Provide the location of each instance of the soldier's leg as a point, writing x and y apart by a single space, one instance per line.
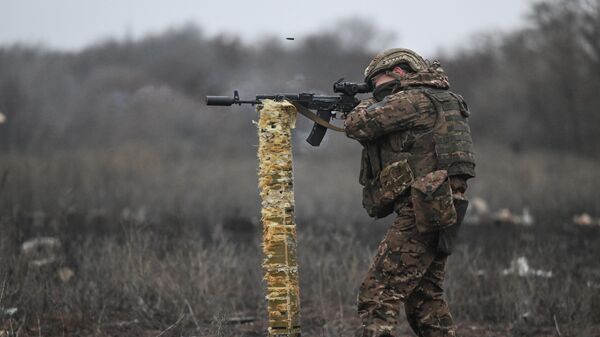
403 258
426 308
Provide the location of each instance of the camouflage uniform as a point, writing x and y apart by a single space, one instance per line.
416 159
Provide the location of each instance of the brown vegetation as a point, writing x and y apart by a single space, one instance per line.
145 260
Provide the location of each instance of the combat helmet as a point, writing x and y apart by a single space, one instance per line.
392 57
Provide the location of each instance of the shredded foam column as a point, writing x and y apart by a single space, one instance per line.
277 119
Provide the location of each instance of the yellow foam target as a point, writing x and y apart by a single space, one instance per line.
276 182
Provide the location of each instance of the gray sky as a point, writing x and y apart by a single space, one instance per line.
421 25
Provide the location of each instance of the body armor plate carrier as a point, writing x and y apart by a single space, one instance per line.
452 135
446 146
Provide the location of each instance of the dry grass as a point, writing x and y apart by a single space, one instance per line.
161 241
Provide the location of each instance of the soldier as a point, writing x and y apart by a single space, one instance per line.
416 159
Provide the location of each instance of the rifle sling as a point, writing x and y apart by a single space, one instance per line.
315 118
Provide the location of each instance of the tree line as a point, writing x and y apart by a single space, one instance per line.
536 86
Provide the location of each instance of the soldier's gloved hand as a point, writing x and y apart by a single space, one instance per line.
459 187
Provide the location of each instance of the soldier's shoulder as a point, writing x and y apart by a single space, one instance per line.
416 98
407 93
443 94
452 100
412 95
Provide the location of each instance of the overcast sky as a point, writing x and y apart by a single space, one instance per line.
423 26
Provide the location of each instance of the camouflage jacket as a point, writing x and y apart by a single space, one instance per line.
421 123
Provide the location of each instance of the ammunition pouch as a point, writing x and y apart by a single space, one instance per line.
431 197
379 194
448 236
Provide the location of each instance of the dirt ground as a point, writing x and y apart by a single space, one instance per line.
186 327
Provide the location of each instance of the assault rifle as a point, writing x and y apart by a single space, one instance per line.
326 106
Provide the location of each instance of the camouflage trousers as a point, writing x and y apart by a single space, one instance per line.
406 270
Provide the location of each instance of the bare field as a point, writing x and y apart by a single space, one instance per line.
156 242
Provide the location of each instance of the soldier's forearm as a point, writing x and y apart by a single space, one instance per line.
357 125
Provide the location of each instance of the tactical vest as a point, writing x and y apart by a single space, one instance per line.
452 135
445 145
